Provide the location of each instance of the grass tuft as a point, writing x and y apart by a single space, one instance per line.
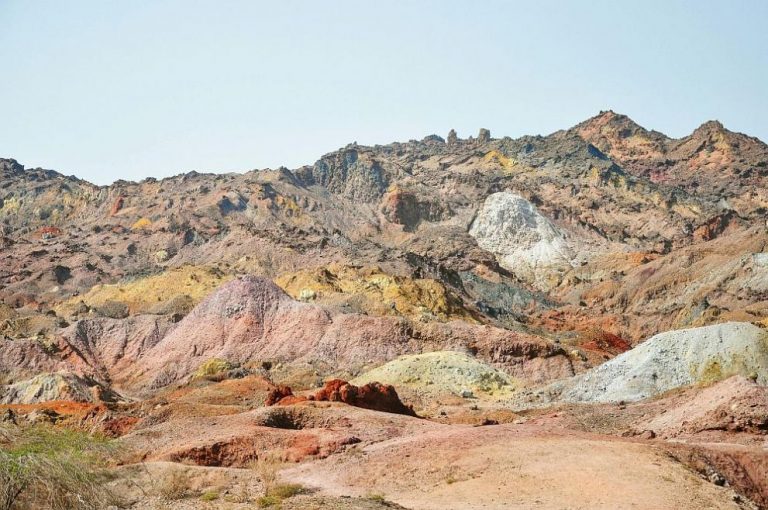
46 467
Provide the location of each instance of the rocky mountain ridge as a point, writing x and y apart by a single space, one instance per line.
611 189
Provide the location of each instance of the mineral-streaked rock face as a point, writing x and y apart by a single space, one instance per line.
497 245
523 240
253 319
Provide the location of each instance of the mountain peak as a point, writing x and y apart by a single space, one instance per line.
611 117
10 167
610 123
711 127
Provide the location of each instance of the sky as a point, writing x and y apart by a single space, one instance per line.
115 89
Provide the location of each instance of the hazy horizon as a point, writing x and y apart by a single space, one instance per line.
109 91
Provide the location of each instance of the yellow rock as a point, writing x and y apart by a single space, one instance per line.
506 163
145 294
142 224
374 291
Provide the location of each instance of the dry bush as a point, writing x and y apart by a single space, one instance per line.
175 486
113 310
58 469
267 468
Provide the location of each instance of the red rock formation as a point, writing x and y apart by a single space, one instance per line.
48 232
713 227
277 394
117 205
603 342
374 396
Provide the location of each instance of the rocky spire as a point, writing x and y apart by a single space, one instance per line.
484 136
452 138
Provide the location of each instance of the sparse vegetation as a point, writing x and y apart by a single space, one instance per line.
45 467
268 501
376 496
210 496
267 467
142 224
279 493
113 310
286 490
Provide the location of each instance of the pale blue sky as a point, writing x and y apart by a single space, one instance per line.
130 89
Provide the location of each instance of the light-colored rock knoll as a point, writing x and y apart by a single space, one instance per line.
522 239
46 387
674 359
442 372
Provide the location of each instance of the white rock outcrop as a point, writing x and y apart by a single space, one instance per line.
522 239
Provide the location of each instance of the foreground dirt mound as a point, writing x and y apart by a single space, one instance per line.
372 395
674 359
507 466
735 405
292 433
165 485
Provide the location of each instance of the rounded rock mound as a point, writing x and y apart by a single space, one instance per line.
442 373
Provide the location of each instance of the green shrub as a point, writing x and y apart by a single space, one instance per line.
287 490
278 493
213 367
